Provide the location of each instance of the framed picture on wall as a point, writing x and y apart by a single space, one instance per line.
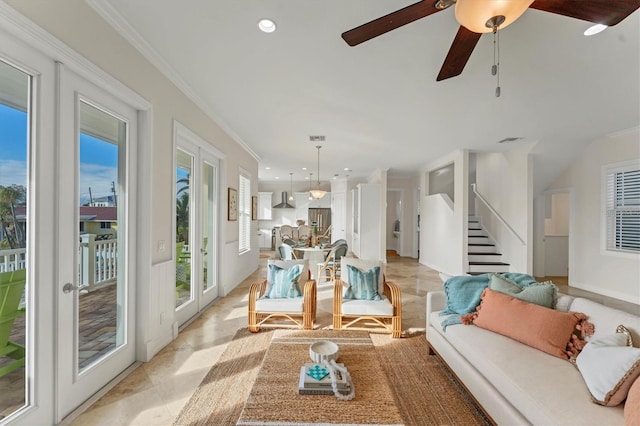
232 210
254 208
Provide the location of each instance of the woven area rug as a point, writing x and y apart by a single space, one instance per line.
274 398
424 390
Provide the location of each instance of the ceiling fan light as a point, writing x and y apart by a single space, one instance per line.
474 14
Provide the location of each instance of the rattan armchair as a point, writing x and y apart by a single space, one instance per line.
299 313
384 315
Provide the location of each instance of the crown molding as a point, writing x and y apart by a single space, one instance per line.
117 21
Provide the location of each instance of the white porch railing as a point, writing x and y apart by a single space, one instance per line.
13 260
97 261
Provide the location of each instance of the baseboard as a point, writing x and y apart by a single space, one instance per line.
605 292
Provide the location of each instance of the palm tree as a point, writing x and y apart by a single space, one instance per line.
182 218
10 197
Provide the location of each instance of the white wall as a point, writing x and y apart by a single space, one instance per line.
505 180
443 226
591 267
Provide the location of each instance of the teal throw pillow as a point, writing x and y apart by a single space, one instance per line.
541 293
283 283
363 285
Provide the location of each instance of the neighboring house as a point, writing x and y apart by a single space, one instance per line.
98 220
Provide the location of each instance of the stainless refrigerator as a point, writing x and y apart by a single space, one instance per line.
320 217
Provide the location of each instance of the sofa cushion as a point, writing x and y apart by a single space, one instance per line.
609 367
542 328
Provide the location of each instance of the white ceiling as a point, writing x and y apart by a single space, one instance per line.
378 103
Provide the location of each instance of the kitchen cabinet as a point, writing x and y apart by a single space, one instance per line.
264 239
264 206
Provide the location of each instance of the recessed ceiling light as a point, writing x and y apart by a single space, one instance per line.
304 168
268 168
266 25
277 177
595 29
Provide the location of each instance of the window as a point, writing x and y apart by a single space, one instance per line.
244 213
623 207
105 225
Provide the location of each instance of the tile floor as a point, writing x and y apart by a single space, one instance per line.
156 392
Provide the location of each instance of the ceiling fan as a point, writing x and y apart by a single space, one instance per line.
480 16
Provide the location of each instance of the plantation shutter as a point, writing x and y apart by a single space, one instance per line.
623 210
244 214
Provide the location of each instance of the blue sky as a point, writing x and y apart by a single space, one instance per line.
98 159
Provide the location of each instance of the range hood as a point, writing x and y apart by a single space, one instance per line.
284 204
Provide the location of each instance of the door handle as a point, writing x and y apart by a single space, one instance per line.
68 288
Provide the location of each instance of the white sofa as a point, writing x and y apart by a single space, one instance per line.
517 384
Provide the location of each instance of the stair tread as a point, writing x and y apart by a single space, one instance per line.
481 244
488 263
480 253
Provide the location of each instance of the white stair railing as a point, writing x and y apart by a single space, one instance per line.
496 214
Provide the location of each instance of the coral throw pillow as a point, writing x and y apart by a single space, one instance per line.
632 406
536 326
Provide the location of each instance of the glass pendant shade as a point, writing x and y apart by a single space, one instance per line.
318 193
474 14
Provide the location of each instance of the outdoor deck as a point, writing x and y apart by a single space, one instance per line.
97 336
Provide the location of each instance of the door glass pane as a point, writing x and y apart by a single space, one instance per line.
208 225
101 300
14 134
183 227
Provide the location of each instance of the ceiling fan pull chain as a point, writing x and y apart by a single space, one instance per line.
496 35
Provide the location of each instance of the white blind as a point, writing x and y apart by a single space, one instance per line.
623 210
244 214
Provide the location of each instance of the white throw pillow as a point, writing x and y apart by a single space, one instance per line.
609 368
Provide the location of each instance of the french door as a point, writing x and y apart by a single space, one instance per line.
95 239
197 223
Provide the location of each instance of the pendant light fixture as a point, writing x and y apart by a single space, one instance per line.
291 186
310 196
318 193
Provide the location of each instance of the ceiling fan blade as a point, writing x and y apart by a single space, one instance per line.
389 22
605 12
459 53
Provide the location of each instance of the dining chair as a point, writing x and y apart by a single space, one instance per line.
331 266
286 231
286 252
285 299
364 300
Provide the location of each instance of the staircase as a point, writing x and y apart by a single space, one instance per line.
483 256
